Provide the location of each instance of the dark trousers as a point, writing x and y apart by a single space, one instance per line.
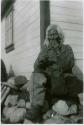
44 87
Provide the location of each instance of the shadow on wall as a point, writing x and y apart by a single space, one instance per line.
78 72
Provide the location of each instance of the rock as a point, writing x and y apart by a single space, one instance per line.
20 80
11 81
58 119
54 121
73 109
49 114
28 105
81 98
62 108
76 118
51 121
26 121
14 114
5 110
11 100
18 115
25 86
8 111
21 103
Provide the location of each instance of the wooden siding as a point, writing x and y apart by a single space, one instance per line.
68 15
26 37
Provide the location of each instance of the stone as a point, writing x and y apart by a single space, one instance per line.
11 81
11 100
28 105
21 103
8 111
76 118
58 119
81 98
73 109
5 109
18 115
62 108
49 114
20 80
26 121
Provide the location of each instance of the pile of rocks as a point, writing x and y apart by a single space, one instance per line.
17 102
61 113
64 111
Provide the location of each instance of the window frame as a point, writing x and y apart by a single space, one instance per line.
9 47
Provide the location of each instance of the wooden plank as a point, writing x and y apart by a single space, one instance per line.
78 55
74 34
26 13
78 68
3 90
66 19
68 4
27 20
29 50
21 5
77 48
27 56
20 36
65 11
24 38
77 42
5 95
2 86
34 39
68 26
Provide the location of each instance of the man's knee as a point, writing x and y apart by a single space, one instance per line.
39 78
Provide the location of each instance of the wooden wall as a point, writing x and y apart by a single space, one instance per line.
68 15
26 37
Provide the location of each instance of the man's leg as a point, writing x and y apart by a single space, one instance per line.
37 91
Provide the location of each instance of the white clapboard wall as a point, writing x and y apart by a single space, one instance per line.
26 37
68 15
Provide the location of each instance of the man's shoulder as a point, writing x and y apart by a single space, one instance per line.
67 46
44 48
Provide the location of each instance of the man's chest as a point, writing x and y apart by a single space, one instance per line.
57 56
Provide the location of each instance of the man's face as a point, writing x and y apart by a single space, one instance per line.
52 37
52 34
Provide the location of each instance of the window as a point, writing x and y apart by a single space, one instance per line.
9 46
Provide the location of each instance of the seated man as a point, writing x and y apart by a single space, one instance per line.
48 79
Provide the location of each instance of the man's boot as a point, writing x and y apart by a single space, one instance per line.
37 97
34 114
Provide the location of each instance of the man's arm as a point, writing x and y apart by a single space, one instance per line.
70 61
41 62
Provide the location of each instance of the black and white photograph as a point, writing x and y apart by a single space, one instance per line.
41 61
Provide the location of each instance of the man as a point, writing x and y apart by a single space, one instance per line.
48 79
